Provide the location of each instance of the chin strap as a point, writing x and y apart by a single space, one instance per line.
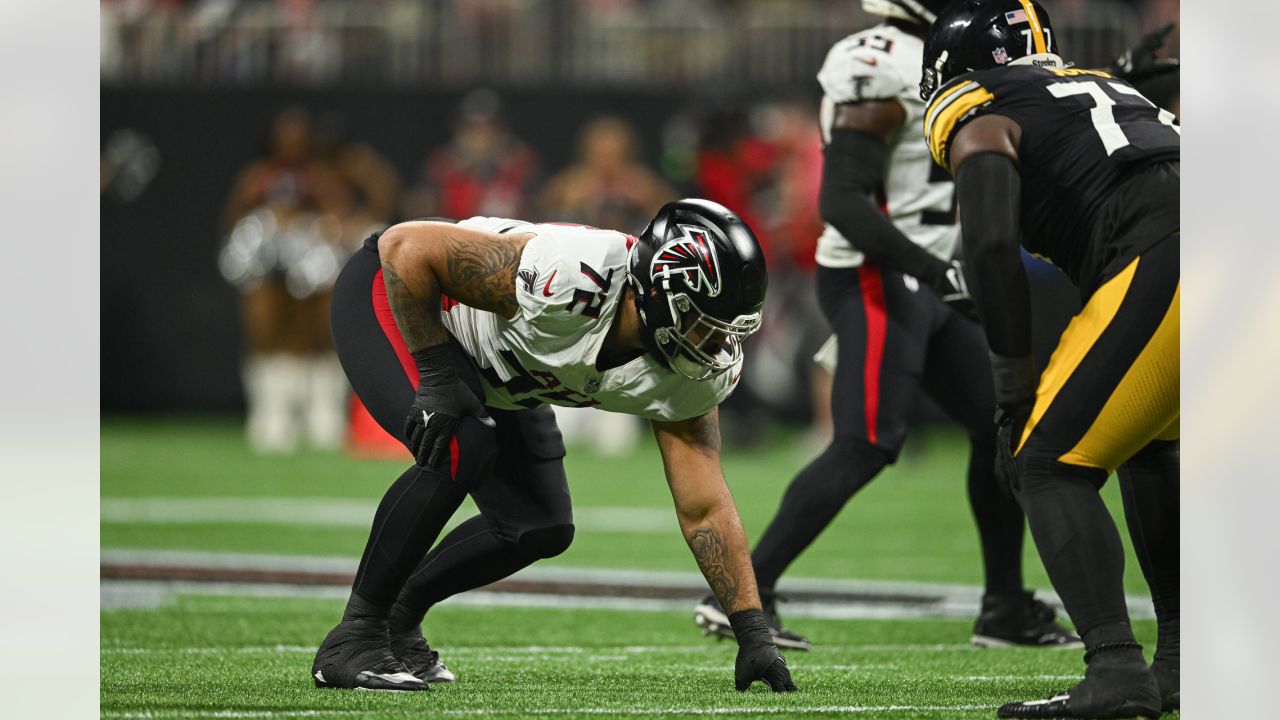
646 335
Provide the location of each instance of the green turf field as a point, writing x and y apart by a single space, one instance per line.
248 658
911 524
192 485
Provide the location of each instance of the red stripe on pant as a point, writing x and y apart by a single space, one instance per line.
387 321
873 305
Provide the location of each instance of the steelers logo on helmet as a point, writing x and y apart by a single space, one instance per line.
699 279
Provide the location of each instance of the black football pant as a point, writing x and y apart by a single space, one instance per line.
514 472
1149 488
894 339
1108 400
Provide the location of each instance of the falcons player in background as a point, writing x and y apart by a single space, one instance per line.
471 329
893 293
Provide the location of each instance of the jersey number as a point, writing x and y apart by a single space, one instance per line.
1031 40
1104 119
875 42
589 302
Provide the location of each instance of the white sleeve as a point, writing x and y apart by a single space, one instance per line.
492 224
545 283
558 300
855 71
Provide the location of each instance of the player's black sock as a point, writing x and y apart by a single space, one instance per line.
470 556
473 555
409 518
1077 540
1001 524
1149 487
812 501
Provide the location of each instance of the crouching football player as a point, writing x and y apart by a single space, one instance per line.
457 337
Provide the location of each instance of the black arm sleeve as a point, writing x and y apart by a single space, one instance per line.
990 193
852 171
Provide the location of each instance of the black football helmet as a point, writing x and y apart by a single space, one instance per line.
980 34
699 280
920 12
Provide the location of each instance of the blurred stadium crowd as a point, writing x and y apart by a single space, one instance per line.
318 186
654 43
311 196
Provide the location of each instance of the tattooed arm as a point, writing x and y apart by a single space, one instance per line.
422 260
708 517
691 457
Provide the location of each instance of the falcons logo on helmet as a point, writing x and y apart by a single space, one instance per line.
694 256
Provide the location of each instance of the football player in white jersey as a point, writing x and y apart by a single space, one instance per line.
889 285
472 329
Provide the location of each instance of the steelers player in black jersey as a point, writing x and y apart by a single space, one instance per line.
1081 169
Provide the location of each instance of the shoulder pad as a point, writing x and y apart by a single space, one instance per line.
493 224
860 67
949 108
566 272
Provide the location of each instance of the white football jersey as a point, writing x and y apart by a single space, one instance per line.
883 63
569 285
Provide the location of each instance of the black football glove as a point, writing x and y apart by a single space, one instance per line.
954 291
1139 62
1009 426
1015 383
443 399
758 657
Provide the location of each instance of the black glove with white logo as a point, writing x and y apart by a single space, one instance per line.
1015 383
758 657
954 291
443 399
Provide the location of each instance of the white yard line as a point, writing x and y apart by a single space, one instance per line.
938 594
543 712
1018 678
867 599
543 651
145 594
524 654
158 714
686 711
339 512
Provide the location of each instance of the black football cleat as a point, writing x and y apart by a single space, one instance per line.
1019 619
412 650
356 654
1064 705
714 621
1116 685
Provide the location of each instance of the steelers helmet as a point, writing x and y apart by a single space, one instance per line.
980 34
699 278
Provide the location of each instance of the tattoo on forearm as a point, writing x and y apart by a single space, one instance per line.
419 323
484 274
713 557
704 432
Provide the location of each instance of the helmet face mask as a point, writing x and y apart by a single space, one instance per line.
701 346
699 279
982 34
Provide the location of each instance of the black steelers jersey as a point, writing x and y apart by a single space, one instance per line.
1083 133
